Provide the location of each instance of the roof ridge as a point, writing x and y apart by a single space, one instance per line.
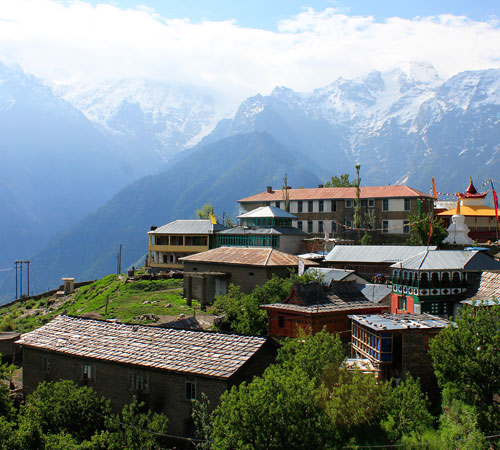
268 256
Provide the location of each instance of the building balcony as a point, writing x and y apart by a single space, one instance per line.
179 248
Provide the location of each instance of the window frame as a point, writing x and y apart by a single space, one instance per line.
310 206
385 204
385 226
190 390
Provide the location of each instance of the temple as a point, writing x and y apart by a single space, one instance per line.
479 218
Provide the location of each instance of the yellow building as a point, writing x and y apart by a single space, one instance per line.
480 219
178 239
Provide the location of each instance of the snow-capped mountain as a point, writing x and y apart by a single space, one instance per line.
402 126
169 118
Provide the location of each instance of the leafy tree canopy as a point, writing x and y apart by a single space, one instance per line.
205 211
419 231
340 181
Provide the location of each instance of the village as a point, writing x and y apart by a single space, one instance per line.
351 273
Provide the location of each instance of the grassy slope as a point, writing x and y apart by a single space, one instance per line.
126 302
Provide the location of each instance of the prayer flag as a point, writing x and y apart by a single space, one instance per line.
495 199
213 219
434 189
430 233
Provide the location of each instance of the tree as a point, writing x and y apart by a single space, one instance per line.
137 428
286 196
340 181
203 421
276 411
205 211
420 229
466 359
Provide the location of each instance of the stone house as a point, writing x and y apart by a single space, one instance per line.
165 368
209 273
396 344
312 307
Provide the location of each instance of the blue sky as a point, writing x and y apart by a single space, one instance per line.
235 49
266 14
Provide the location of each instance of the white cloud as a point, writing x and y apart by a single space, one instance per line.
76 42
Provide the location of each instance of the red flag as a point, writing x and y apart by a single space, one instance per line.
430 233
495 199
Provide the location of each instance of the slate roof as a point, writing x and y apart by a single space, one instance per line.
267 211
189 227
489 288
247 256
396 191
342 296
400 321
449 260
374 253
271 230
194 352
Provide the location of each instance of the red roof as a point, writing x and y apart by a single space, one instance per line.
471 192
338 193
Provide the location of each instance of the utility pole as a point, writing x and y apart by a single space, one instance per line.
28 262
21 279
120 260
16 263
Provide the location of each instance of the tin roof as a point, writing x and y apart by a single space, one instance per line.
267 211
376 292
329 275
197 226
338 193
201 353
449 260
400 321
374 253
270 230
246 256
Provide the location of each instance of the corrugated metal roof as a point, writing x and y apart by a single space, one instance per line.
449 260
374 253
400 321
376 292
189 227
273 230
338 193
329 275
210 354
246 256
267 211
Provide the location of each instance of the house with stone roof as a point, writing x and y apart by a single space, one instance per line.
165 368
209 273
312 307
331 210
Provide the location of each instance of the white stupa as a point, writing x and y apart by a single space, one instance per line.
458 231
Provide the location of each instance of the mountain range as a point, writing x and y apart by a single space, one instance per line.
71 152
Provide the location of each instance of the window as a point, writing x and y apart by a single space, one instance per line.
348 203
310 206
347 223
371 203
320 227
250 274
176 240
321 206
299 206
385 226
277 204
385 204
139 381
407 204
267 204
190 384
334 227
281 321
46 364
364 203
406 227
309 226
402 303
334 205
87 372
299 224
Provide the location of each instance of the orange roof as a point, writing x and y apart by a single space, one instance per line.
338 193
479 210
245 256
